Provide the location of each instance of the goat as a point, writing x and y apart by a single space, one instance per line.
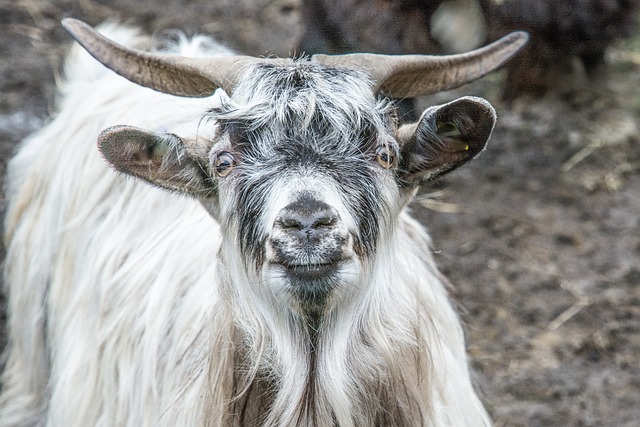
402 26
563 33
280 281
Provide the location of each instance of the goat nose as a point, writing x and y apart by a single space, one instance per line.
311 219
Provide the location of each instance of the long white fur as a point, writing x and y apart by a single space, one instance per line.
117 298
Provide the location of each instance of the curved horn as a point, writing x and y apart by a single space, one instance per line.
193 77
407 76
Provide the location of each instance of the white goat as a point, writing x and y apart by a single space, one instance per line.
312 298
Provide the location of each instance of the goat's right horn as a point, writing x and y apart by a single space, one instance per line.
193 77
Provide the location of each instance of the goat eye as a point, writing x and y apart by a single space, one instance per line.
385 157
224 163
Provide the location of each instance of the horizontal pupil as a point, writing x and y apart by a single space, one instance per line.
224 163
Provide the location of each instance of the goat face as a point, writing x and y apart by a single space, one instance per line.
309 194
306 171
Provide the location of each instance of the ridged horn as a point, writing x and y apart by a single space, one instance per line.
407 76
192 77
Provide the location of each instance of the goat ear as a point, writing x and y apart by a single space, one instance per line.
161 159
444 138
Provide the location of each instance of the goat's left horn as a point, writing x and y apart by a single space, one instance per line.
193 77
406 76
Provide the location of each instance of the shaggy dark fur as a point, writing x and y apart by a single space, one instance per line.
561 33
377 26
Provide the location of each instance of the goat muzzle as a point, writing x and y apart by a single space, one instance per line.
308 240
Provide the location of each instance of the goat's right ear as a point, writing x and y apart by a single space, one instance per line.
445 137
161 159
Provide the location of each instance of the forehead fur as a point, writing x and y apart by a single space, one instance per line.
303 98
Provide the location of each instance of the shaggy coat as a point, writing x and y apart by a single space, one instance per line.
563 34
130 305
569 38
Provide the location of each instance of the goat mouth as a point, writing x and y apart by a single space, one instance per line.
316 271
321 268
311 284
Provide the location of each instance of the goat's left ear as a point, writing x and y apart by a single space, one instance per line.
160 159
445 137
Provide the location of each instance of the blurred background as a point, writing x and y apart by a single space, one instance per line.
540 236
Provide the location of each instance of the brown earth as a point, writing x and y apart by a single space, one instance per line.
540 236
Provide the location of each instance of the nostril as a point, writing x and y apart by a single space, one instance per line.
290 224
325 222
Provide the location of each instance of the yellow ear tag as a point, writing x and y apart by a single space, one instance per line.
458 145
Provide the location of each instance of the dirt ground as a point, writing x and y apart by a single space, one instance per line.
540 236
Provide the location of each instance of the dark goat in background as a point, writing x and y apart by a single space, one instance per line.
404 26
563 33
